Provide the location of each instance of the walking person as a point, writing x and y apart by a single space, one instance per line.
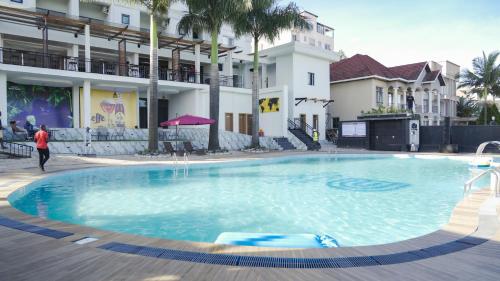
41 139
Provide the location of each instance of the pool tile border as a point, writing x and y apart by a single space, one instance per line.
262 261
283 262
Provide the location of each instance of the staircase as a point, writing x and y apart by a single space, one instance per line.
285 143
304 133
15 150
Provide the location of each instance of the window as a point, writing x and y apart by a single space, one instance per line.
311 79
321 29
17 1
294 37
229 122
125 19
221 67
390 99
380 96
328 47
245 123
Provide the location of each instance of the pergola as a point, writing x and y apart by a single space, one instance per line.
46 19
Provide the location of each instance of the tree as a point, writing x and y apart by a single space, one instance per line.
466 107
264 19
492 112
158 10
483 80
209 16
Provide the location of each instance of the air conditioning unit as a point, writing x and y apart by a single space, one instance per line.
105 10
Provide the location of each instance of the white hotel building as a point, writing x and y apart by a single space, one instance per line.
99 50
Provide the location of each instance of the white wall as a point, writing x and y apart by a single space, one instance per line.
116 11
53 5
275 123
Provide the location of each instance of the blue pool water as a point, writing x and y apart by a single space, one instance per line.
358 200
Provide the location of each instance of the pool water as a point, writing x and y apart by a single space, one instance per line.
358 200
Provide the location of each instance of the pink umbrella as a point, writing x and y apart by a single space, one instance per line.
187 120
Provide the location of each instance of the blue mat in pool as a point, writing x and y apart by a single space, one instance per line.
277 240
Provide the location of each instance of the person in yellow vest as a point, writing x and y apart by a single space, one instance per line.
315 135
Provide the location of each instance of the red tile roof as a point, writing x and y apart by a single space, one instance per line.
359 66
409 71
431 76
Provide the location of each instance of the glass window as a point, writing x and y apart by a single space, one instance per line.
125 19
311 78
17 1
380 96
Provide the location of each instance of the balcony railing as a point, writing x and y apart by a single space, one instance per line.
60 62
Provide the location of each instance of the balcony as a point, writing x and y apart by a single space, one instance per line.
59 62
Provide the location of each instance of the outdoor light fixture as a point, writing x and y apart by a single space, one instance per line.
76 35
115 96
138 45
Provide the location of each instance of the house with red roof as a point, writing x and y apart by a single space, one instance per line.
361 84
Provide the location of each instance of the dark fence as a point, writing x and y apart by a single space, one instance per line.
431 138
468 138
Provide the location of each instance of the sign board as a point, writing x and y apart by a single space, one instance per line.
354 129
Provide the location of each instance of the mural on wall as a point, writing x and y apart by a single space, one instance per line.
111 109
51 106
269 105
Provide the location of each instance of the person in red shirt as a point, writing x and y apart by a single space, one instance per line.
41 139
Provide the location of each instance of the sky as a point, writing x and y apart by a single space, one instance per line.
401 32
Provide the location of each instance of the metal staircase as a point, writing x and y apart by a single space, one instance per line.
16 150
304 133
285 143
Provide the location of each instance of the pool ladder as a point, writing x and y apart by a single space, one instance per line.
185 160
493 171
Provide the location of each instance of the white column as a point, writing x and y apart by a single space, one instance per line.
197 67
86 104
285 114
439 108
76 106
264 75
74 8
422 92
135 58
3 98
404 98
430 101
87 48
229 67
395 98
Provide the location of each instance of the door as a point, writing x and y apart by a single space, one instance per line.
303 121
162 110
143 113
229 122
387 135
315 122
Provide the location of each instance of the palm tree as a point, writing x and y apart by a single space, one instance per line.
484 78
209 16
158 10
264 19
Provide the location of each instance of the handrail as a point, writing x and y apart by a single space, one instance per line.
493 171
482 146
18 149
308 129
98 66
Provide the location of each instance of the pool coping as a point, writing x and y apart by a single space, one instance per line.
463 222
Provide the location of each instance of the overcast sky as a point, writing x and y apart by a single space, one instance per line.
400 32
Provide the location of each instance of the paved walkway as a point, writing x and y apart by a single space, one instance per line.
25 255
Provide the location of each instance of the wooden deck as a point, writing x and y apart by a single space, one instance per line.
27 256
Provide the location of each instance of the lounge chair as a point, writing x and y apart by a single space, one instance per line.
169 148
188 146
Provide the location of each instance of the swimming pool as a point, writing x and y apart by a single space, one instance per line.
359 200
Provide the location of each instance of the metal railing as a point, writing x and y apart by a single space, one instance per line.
493 171
68 63
298 123
17 149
